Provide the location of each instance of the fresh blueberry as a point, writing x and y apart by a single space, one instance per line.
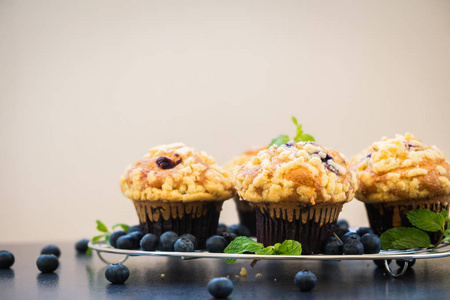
115 236
380 262
51 249
137 236
350 235
134 228
239 230
221 228
353 246
126 242
216 244
363 230
183 245
220 288
342 224
192 238
371 243
167 240
149 242
333 246
6 259
229 236
82 245
117 273
47 263
411 262
340 232
305 280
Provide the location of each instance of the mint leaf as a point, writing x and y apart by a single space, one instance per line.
409 242
123 226
305 137
101 227
280 140
426 220
266 251
98 238
107 237
299 135
404 238
276 248
290 247
446 239
88 252
240 245
444 215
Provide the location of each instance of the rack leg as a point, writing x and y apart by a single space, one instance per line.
395 275
108 262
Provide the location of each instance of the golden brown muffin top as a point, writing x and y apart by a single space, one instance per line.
399 169
302 172
176 172
241 159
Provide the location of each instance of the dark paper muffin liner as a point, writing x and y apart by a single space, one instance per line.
199 218
246 214
384 216
312 226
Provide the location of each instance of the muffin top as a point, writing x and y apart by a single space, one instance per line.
400 169
176 172
241 159
302 172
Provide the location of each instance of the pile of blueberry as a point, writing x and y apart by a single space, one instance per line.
48 261
363 241
170 241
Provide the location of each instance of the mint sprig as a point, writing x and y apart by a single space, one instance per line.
427 220
106 234
404 238
288 247
299 136
244 244
416 237
240 245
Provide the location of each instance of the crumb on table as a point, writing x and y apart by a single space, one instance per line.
243 272
259 275
163 275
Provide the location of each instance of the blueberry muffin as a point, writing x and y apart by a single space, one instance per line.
398 175
298 190
173 187
246 210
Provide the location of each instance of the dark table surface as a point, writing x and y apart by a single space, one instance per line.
172 278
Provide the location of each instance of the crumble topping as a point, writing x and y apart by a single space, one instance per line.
401 168
176 172
296 172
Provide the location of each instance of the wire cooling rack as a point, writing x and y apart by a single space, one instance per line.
404 255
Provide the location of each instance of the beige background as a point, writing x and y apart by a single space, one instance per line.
86 87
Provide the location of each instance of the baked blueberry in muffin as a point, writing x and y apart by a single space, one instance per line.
398 175
298 190
175 188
